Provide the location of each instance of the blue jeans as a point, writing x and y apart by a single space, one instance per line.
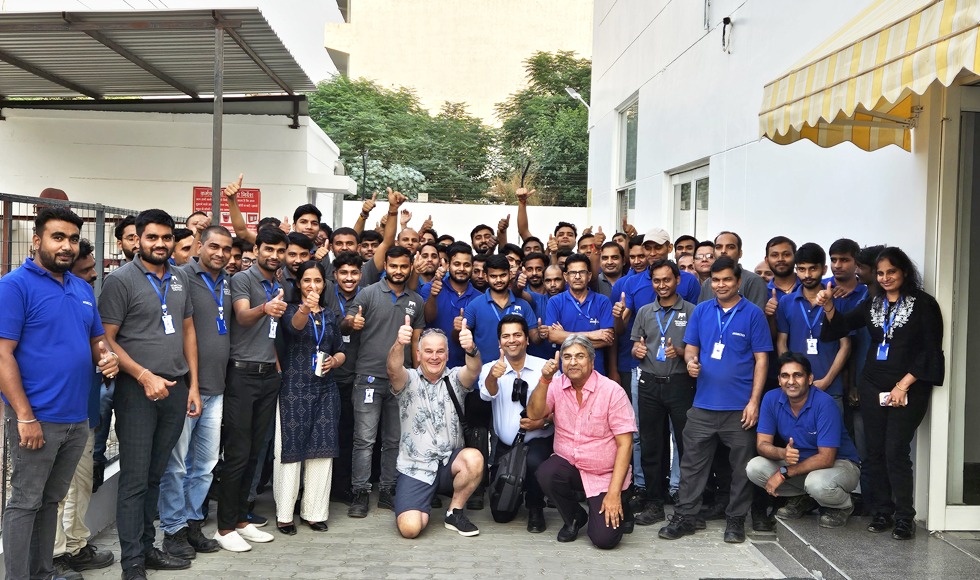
675 462
105 418
184 485
638 479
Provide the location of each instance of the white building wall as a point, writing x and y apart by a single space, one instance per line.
699 103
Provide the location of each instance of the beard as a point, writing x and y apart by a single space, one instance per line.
784 272
146 254
51 263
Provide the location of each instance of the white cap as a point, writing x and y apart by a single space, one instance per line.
657 236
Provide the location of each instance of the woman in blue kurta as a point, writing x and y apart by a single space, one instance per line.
309 405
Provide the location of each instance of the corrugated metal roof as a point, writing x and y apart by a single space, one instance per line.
162 38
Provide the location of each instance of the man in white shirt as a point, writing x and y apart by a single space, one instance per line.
507 383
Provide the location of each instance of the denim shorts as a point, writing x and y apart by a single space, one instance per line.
413 494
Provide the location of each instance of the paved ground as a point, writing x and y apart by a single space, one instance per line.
372 549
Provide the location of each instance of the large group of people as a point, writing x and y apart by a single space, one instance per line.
632 374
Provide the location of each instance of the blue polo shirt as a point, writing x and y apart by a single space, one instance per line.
624 346
726 384
547 349
482 316
849 302
449 303
53 324
790 320
819 424
779 293
639 292
594 313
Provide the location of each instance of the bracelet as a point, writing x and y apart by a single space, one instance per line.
396 213
34 420
141 375
364 216
899 386
115 356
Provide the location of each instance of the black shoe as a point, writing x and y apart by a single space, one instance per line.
715 511
651 514
904 529
535 520
796 507
639 500
98 476
677 527
436 502
176 544
700 523
157 560
762 521
201 543
345 497
735 530
288 529
568 533
627 525
461 524
359 507
90 558
475 502
386 498
318 526
136 572
64 571
880 523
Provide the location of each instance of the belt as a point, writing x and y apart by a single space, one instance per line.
255 367
656 378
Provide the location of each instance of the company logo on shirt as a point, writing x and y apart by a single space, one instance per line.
410 310
517 309
87 303
738 334
594 321
176 287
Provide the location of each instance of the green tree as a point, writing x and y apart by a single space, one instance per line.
545 131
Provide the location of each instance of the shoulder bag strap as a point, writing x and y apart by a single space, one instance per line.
452 395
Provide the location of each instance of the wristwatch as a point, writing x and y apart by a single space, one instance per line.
784 472
546 424
473 352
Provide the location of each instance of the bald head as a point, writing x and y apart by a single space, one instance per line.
408 239
554 281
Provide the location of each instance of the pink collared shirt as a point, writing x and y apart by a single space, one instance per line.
585 435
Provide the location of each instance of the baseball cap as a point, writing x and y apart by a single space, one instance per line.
657 236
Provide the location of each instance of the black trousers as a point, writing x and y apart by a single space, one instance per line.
659 401
479 416
888 434
538 451
342 464
560 481
249 407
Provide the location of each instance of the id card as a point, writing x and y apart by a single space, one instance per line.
368 396
883 351
717 351
346 338
661 353
811 346
222 329
273 325
168 324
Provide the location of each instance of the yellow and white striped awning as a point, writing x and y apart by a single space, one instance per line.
862 84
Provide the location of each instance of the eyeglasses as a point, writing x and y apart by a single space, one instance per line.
577 273
580 357
246 261
703 256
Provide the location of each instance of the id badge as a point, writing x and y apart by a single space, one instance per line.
368 396
273 325
316 355
346 338
168 324
883 351
718 350
811 346
661 353
222 329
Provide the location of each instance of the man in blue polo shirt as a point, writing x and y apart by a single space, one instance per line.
51 335
446 298
733 336
799 320
819 464
579 310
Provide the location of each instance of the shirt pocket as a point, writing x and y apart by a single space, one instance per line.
738 343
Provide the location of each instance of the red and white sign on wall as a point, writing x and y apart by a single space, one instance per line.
249 202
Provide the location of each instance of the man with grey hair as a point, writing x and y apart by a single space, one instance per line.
594 426
432 456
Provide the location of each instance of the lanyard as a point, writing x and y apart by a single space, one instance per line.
588 306
270 290
156 288
219 297
340 301
806 318
888 324
721 329
497 310
664 327
323 329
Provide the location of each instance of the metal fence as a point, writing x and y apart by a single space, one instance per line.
17 215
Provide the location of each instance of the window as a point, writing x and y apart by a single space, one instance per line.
691 203
628 129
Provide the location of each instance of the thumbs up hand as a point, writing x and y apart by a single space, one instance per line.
358 322
640 349
233 188
503 224
465 337
311 301
458 321
321 252
772 304
552 244
694 367
670 351
436 287
275 307
792 455
619 308
825 298
551 367
284 225
369 204
108 364
543 331
405 332
426 225
499 367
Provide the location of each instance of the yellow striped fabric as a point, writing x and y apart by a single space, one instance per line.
879 62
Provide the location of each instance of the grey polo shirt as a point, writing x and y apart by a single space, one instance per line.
352 342
252 343
327 262
369 273
604 287
212 347
383 316
753 287
288 285
129 301
646 326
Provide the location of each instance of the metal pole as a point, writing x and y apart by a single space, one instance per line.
364 157
99 249
219 70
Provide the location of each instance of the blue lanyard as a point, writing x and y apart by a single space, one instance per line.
270 290
497 310
721 329
588 306
323 330
340 301
156 288
888 324
806 317
220 297
664 327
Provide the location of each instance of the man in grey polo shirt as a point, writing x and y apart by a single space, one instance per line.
664 389
185 484
299 248
147 314
251 387
378 312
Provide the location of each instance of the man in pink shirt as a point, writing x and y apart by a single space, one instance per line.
594 426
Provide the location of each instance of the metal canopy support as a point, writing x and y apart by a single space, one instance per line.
251 53
16 62
135 25
219 72
115 47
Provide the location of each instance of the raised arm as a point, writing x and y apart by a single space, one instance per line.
366 208
395 200
237 220
471 372
397 374
537 404
522 223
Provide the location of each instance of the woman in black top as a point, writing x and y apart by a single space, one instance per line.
904 361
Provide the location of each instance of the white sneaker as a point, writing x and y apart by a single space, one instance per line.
253 534
232 542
